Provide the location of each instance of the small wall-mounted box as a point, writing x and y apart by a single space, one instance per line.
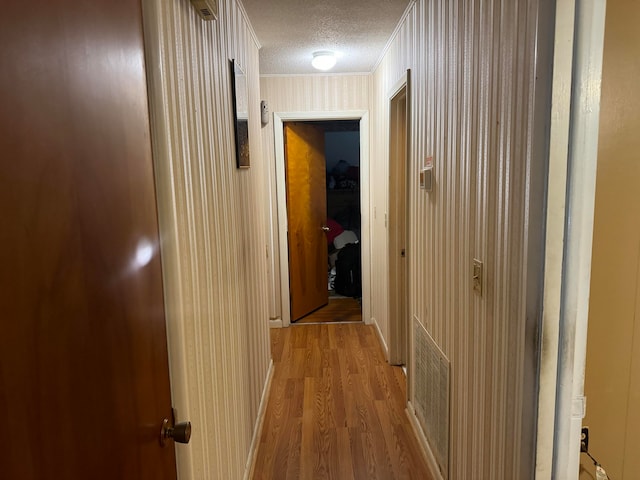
426 178
264 112
426 175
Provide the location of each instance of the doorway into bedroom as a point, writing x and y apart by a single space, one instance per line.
322 172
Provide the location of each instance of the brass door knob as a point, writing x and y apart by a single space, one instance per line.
180 432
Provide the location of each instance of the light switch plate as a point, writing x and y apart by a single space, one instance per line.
477 276
426 179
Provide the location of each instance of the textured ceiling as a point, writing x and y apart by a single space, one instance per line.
291 30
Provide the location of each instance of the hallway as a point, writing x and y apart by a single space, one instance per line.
336 409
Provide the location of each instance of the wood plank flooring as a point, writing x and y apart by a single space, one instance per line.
337 310
336 409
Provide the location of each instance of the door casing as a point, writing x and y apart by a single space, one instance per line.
278 126
399 224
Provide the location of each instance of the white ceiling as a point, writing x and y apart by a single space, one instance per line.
291 30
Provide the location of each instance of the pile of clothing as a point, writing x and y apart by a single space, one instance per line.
345 277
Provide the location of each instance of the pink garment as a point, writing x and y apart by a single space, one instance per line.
335 229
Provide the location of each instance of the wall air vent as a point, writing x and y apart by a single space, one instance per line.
431 395
207 9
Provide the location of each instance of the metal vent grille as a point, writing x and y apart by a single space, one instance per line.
207 9
431 395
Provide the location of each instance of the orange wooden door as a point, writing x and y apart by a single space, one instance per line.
306 215
84 381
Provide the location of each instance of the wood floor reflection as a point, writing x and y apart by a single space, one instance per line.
336 409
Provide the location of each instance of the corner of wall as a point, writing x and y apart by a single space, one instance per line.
383 342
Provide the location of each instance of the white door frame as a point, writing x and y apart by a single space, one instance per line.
573 150
278 129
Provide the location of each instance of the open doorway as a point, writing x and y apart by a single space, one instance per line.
345 203
398 222
322 181
342 157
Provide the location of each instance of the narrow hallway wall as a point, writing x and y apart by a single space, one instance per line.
213 231
472 103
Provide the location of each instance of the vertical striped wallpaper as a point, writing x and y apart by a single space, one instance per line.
472 107
304 93
213 228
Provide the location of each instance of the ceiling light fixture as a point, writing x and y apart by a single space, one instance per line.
323 60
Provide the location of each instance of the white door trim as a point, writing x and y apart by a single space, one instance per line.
278 129
573 150
583 155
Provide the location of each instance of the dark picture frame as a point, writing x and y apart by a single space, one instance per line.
240 102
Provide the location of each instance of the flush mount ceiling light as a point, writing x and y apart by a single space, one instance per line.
323 60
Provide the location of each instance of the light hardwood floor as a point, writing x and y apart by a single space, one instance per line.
337 310
336 409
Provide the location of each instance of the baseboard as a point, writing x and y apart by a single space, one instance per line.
422 441
383 343
257 431
277 323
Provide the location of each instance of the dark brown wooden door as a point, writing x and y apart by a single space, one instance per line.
306 215
84 381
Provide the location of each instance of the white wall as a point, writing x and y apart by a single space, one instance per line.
213 231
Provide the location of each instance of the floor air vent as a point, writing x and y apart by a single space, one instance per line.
431 395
